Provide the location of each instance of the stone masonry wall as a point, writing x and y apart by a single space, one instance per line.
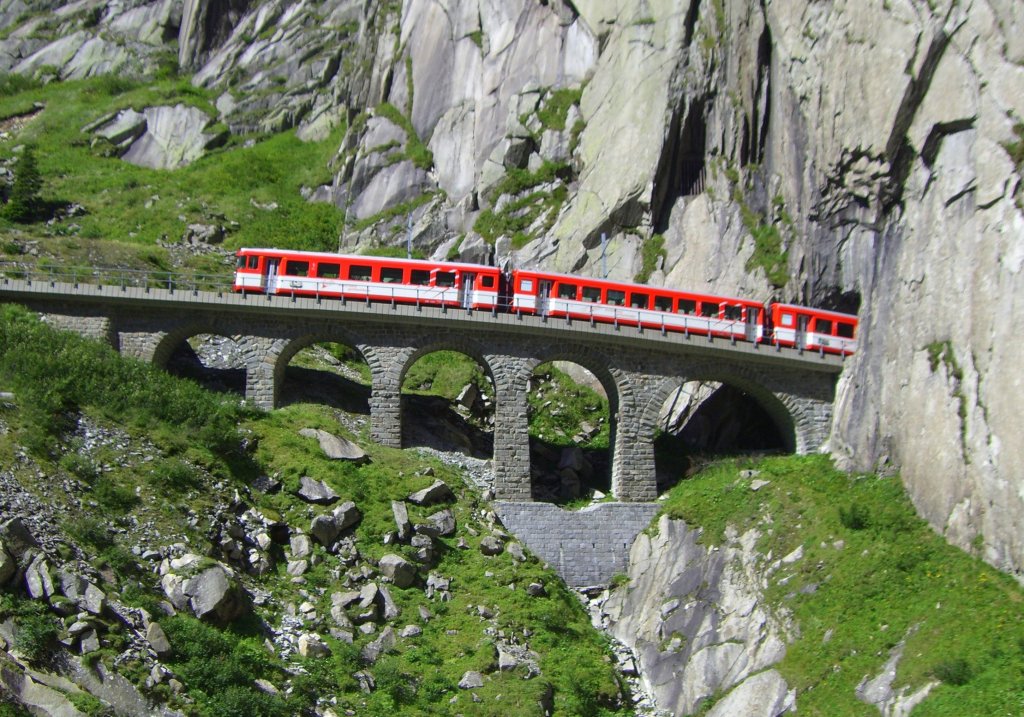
586 547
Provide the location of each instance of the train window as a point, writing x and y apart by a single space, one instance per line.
526 285
592 294
328 271
786 320
360 272
844 330
296 268
254 262
663 303
639 301
616 297
687 306
566 291
391 275
420 277
487 282
823 326
708 309
445 278
240 262
734 313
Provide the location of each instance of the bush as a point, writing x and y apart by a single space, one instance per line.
956 671
37 634
854 517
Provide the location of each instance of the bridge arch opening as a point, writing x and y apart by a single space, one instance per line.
571 432
214 360
699 420
447 401
325 369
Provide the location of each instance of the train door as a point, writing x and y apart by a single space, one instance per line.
466 289
753 323
543 297
270 275
801 331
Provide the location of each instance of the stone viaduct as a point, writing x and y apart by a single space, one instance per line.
638 369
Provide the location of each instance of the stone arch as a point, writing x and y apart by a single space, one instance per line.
425 345
287 350
613 381
161 345
781 407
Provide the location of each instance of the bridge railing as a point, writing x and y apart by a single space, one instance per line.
154 279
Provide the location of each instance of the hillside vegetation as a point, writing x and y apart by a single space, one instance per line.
129 461
873 579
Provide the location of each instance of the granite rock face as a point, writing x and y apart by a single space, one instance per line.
696 622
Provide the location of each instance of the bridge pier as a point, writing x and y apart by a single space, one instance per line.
511 430
633 465
386 364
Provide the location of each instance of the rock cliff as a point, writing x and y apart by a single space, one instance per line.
864 156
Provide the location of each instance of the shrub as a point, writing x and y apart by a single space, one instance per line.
37 634
854 517
956 671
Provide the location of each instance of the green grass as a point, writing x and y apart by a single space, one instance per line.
135 205
553 112
652 249
218 665
560 405
890 578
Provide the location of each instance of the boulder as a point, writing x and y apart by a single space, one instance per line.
174 138
300 545
443 522
157 639
316 491
401 514
310 645
346 515
384 642
336 447
490 545
387 603
213 595
38 581
436 492
471 680
324 529
18 539
397 569
8 565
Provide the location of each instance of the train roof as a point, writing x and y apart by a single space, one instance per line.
632 285
816 312
365 257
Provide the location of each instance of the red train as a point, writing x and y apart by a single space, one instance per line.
473 286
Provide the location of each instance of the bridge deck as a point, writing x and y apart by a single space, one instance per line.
13 290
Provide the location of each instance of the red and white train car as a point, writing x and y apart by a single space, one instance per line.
814 329
410 281
473 286
576 297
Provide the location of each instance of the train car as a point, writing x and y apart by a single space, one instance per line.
813 329
575 297
371 278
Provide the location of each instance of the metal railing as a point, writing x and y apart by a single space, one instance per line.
107 276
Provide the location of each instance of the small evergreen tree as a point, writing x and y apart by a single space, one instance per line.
25 202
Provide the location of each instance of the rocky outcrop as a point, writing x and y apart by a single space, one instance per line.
159 137
695 619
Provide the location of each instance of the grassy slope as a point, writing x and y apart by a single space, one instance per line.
223 187
190 477
892 578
